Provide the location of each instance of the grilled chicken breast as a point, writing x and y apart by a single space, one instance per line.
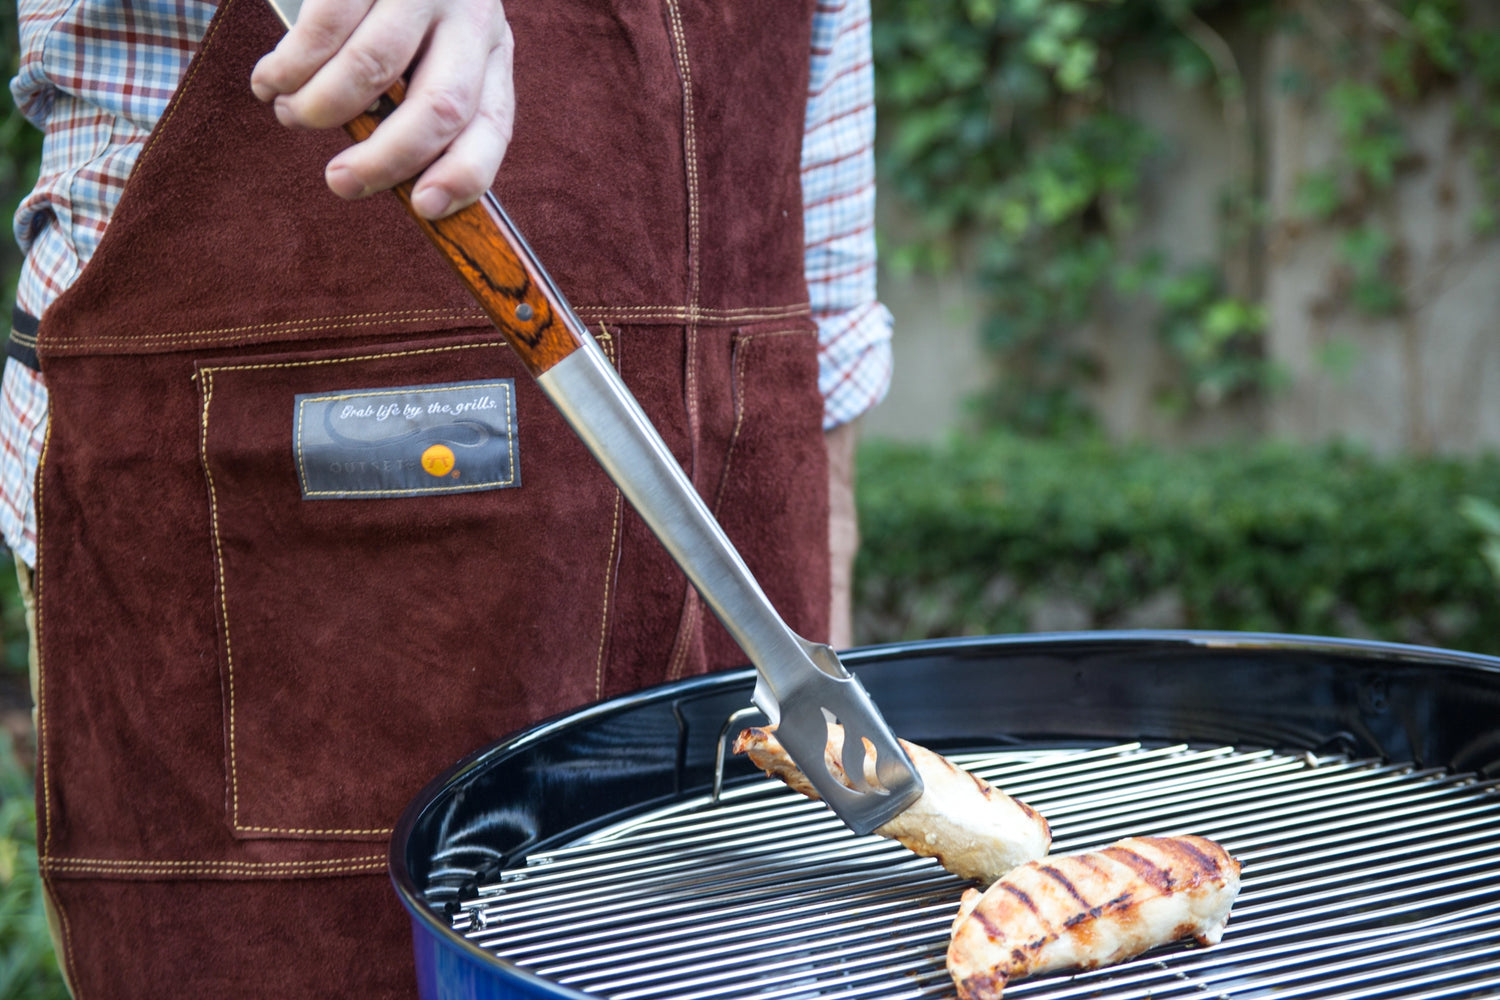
1089 910
972 828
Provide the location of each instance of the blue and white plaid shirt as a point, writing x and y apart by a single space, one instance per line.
96 75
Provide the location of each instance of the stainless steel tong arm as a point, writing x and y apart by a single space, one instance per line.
802 685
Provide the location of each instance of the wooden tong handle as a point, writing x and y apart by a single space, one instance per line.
484 248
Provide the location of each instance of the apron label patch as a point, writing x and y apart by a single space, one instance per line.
415 440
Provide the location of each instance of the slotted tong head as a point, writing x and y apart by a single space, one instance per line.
802 685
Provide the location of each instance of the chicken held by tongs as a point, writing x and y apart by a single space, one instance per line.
972 828
1084 911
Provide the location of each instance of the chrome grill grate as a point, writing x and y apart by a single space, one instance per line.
1360 879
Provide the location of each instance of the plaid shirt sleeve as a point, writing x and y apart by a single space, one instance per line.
838 191
95 76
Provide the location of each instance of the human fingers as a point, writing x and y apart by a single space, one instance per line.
467 168
372 57
455 122
322 28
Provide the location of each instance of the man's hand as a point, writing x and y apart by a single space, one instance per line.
452 128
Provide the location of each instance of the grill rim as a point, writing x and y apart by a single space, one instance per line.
1365 675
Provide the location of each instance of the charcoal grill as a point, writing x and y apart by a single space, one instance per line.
616 853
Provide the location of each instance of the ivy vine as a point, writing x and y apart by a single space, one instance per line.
1000 133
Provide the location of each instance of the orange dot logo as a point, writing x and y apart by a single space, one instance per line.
438 460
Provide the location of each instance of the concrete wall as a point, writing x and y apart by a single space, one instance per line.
938 360
1426 379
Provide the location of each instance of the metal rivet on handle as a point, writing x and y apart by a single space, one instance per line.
523 312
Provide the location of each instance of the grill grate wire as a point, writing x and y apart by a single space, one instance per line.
1361 879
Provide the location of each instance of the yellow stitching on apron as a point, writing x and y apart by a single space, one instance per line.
166 864
70 971
693 612
256 332
213 519
690 618
54 904
609 575
107 867
690 143
685 312
739 402
690 170
747 314
183 86
781 333
302 831
297 447
313 325
477 487
207 374
608 344
690 390
743 352
688 624
43 765
377 356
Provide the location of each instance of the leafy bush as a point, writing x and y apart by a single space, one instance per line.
1007 138
1001 534
14 638
28 966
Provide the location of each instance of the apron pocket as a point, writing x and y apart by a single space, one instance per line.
773 489
389 526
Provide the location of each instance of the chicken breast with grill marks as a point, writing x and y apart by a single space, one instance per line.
1089 910
971 827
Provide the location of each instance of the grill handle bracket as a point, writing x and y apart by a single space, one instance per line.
721 753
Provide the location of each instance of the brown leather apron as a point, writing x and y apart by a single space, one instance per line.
244 681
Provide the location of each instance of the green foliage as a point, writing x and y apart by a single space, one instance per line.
1000 131
1485 516
14 637
1213 335
1367 251
28 965
1369 132
1006 534
1393 58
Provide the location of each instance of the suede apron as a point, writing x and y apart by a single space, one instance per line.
248 671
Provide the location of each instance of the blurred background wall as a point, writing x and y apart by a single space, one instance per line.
1312 181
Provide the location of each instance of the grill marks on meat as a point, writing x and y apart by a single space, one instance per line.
1089 910
1040 913
971 827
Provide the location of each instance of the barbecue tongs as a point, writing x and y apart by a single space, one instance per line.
802 685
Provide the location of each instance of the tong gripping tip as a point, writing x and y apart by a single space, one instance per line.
865 776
